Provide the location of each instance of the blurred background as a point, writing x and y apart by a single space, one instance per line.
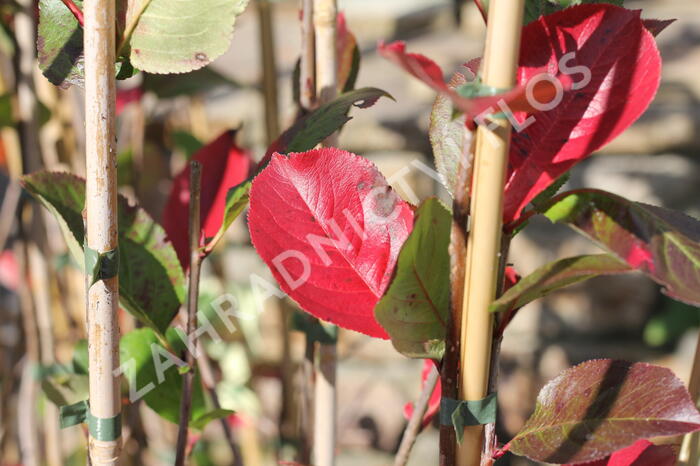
41 314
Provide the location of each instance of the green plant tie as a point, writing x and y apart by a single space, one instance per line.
459 413
104 429
101 265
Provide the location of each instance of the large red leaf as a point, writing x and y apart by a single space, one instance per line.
625 67
330 229
640 453
601 406
224 165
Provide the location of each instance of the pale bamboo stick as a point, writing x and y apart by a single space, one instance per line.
101 208
484 241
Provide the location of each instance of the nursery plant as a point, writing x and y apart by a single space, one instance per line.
558 80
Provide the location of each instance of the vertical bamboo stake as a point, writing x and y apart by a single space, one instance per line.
325 12
484 241
101 207
192 298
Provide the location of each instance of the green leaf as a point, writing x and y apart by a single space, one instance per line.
186 142
601 406
139 350
63 387
172 36
556 275
415 307
6 111
540 201
151 281
80 360
236 201
662 243
201 422
327 119
449 136
196 82
60 46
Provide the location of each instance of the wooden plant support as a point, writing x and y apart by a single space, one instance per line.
101 212
484 241
325 410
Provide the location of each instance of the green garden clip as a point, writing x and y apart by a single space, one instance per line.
104 429
459 413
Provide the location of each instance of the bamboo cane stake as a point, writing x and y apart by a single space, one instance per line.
325 410
192 298
484 241
101 207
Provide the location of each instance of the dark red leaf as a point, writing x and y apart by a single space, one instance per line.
224 165
655 26
601 406
434 402
625 69
426 70
127 96
330 229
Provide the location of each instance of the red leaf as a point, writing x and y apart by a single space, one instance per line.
601 406
434 402
640 453
426 70
330 229
224 165
625 69
127 96
655 26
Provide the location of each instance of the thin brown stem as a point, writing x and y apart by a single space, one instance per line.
269 67
415 423
192 297
207 374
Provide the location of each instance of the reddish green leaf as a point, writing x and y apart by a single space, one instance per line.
330 229
449 136
225 165
600 406
415 307
619 53
151 282
640 453
556 275
662 243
